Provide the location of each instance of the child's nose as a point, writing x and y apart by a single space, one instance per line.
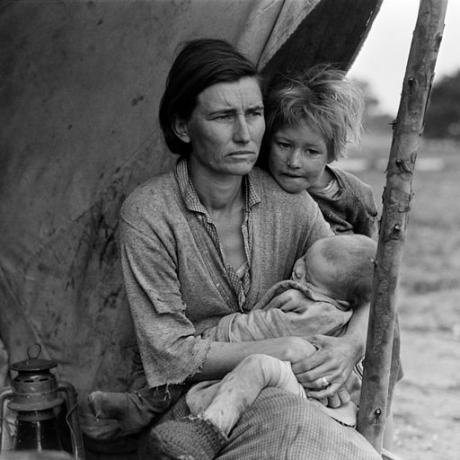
294 159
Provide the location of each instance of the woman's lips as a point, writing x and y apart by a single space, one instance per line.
243 152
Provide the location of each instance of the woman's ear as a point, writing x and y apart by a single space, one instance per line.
180 128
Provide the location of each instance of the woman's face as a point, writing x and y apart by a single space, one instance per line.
298 156
226 127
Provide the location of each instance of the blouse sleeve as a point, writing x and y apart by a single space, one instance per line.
366 221
166 337
316 225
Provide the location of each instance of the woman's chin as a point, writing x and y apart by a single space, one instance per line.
242 167
292 185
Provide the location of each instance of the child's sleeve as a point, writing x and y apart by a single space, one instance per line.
366 219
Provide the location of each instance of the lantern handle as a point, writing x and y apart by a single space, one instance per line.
30 351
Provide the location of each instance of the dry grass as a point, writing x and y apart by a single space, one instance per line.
427 402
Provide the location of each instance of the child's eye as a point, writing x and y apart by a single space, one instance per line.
283 145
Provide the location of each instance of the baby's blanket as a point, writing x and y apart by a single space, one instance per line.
316 314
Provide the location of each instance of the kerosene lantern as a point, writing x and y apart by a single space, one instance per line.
44 409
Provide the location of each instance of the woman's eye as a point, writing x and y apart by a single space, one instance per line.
256 113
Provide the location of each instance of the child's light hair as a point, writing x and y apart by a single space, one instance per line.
324 99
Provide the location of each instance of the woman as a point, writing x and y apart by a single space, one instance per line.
208 239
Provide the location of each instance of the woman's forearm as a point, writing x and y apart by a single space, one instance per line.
223 357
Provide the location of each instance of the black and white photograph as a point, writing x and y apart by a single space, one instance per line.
229 229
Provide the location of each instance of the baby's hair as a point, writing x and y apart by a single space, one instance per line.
351 258
324 98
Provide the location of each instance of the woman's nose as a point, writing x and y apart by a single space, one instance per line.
241 132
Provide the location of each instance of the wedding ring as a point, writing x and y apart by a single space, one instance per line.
324 382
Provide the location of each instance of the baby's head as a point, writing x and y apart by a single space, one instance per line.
341 267
315 114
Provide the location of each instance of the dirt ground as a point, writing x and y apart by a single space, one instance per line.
427 400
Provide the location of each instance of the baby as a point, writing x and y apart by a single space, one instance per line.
334 276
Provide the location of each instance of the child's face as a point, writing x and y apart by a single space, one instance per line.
298 156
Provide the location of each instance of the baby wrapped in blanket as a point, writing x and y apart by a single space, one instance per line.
334 277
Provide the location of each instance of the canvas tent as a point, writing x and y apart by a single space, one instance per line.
81 83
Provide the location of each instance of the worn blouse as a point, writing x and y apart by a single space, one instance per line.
175 275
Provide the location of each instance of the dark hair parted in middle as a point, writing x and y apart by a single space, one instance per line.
200 64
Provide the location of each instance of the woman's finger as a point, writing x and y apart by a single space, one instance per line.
318 384
317 359
334 401
325 393
337 349
310 376
331 368
344 395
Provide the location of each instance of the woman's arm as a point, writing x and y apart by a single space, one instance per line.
223 357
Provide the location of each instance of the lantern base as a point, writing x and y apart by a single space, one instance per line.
37 431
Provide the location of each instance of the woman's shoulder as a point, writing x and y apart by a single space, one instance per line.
299 208
270 190
152 197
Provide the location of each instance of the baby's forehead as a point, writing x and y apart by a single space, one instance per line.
330 247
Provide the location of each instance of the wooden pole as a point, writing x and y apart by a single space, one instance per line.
396 204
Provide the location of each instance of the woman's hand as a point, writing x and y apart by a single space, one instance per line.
324 372
297 349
